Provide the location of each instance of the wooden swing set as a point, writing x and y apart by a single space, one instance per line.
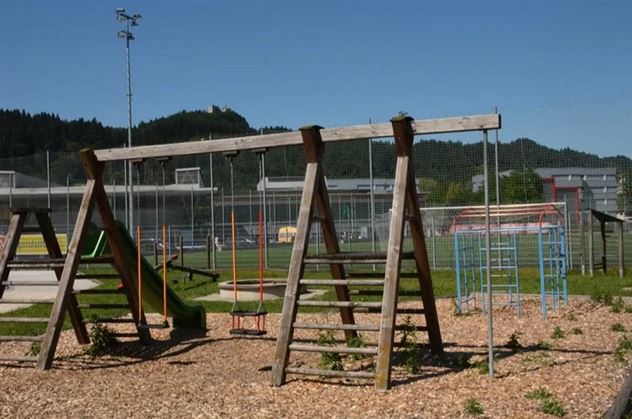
405 208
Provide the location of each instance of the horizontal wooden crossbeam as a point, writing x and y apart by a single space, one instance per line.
254 142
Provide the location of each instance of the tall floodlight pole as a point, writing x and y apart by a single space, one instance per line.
128 20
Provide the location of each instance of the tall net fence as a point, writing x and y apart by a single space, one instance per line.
194 197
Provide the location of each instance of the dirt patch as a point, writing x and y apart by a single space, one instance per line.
216 375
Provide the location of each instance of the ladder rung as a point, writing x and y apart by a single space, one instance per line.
29 283
97 276
403 327
330 373
114 291
125 335
21 338
410 311
18 358
25 301
342 281
332 349
107 306
320 303
327 326
35 264
110 320
23 319
347 257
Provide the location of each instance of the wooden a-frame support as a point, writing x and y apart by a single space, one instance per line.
405 208
65 301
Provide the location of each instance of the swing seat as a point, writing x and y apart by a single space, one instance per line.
238 317
163 325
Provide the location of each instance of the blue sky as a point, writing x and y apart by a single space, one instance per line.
560 72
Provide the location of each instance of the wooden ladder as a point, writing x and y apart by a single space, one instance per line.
404 208
65 268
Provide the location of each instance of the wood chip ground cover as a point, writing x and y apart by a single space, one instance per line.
216 375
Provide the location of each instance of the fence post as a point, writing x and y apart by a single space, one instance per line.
208 251
181 250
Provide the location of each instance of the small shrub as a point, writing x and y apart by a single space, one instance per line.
455 308
514 342
627 309
617 305
539 394
572 317
482 366
558 333
102 340
548 404
329 360
624 347
357 342
553 407
617 327
544 345
35 349
601 298
473 407
576 331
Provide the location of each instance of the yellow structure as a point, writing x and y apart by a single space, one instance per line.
33 244
286 234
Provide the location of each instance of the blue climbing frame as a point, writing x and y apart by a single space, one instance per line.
471 283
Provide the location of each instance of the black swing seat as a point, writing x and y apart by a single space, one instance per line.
163 325
238 317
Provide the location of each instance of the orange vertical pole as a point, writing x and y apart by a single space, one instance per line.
164 272
234 254
261 238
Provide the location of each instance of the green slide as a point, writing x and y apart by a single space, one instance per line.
184 315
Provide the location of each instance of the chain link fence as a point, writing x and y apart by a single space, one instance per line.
194 196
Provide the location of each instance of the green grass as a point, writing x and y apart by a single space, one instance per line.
548 403
473 407
604 288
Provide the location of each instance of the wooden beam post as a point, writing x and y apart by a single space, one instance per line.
402 129
16 225
313 146
122 263
295 271
54 251
393 258
582 242
67 279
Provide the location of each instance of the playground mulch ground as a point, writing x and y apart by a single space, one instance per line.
217 375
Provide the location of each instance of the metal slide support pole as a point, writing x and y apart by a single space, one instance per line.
490 318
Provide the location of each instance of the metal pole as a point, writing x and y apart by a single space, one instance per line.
371 196
265 210
497 169
114 196
156 214
129 124
490 320
126 195
48 176
210 172
223 220
192 219
11 180
67 207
